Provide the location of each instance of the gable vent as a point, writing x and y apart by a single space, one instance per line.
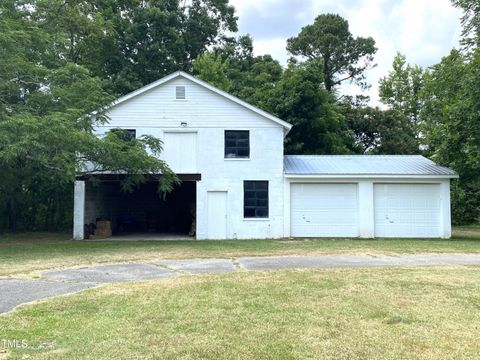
180 93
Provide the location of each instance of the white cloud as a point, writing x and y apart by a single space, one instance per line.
423 30
274 47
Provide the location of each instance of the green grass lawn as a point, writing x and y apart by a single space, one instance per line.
419 313
28 254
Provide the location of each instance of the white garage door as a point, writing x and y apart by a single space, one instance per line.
324 210
407 210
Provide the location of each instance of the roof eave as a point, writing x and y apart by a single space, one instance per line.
372 176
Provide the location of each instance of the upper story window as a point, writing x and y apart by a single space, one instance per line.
126 134
180 92
237 144
255 199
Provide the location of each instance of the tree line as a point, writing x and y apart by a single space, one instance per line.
63 62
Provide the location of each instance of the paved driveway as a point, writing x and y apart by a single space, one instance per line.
14 292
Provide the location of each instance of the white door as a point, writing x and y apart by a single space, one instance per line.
179 151
407 210
217 215
324 210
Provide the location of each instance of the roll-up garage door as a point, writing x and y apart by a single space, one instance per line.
324 210
407 210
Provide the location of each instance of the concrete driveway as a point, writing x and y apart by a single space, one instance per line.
14 292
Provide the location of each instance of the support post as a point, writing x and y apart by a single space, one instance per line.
79 210
366 209
286 209
446 220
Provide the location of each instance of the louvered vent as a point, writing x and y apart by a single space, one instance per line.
180 93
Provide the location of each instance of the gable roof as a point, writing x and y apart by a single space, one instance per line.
230 97
364 165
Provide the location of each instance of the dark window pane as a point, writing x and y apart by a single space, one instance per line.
249 212
131 133
242 152
125 134
249 185
262 194
255 199
261 212
249 195
261 185
237 143
262 202
249 202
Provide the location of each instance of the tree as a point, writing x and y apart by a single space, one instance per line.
451 117
234 68
300 98
253 77
48 108
378 131
210 67
130 43
470 21
329 41
41 149
401 90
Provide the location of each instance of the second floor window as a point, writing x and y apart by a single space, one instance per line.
125 134
237 144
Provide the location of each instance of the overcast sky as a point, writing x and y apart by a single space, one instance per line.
423 30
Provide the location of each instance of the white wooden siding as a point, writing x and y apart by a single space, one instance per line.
201 108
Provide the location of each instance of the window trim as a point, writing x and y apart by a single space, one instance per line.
225 145
257 218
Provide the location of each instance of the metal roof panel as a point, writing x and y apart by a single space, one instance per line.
363 165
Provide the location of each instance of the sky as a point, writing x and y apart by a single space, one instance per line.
423 30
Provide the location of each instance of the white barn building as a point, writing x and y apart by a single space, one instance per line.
237 183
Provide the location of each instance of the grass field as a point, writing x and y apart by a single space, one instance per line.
28 254
414 313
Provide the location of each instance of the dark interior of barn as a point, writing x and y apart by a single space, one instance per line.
143 210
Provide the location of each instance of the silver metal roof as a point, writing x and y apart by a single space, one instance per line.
345 165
